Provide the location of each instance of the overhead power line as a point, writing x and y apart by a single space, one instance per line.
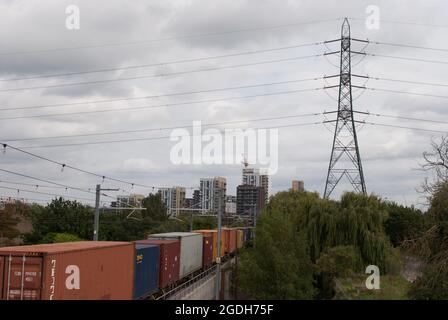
160 128
406 58
402 117
407 92
62 85
430 25
160 64
403 81
403 127
172 94
191 36
407 46
164 105
151 138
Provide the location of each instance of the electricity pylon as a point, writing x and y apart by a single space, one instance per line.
345 159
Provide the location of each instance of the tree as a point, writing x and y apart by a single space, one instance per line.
279 267
8 222
301 231
60 216
155 208
339 261
436 163
433 285
403 223
432 246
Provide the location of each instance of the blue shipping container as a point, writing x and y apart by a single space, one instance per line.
146 276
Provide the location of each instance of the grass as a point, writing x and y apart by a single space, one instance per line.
392 287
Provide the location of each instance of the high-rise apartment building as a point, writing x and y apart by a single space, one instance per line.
250 200
254 177
230 205
174 199
132 200
212 194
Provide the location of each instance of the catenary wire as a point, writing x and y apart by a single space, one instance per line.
43 193
64 165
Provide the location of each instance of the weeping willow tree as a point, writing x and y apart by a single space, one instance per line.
354 224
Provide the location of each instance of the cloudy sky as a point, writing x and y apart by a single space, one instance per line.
45 71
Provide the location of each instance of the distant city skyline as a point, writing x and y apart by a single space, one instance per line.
256 67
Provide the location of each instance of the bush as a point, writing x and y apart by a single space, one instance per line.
433 285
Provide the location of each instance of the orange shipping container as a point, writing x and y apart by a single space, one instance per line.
226 233
85 270
231 239
239 238
214 234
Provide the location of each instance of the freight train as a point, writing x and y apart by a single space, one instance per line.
106 270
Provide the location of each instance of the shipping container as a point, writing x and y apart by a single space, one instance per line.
207 250
247 233
214 233
1 276
85 270
169 262
239 238
231 242
190 250
146 274
226 234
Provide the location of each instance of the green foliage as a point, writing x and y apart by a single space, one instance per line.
354 288
8 223
59 238
155 208
60 216
356 220
403 223
438 212
279 267
394 261
337 237
339 261
63 220
433 285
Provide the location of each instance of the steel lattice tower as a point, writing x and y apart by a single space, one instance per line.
345 159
